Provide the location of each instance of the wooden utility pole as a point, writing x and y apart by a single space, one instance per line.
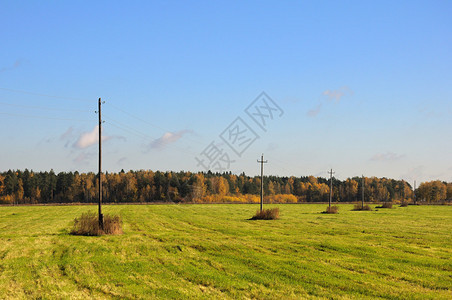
331 187
362 194
101 217
262 162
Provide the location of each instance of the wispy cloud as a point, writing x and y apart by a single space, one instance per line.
315 111
67 136
432 112
416 173
83 158
122 160
166 139
330 96
16 64
336 95
388 156
272 147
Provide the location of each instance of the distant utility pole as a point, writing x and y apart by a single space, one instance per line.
101 217
362 196
331 186
414 192
262 162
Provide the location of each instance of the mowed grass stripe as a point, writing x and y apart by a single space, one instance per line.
214 251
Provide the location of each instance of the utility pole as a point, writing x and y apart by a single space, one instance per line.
331 187
262 162
414 192
362 196
101 217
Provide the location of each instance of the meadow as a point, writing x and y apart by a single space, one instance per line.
215 252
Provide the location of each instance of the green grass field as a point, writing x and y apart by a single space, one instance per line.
213 251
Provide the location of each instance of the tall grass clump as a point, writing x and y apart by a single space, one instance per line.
331 210
88 224
385 205
267 214
360 207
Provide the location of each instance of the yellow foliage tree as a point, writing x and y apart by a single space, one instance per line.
432 191
2 184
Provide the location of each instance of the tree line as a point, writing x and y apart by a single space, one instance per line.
28 187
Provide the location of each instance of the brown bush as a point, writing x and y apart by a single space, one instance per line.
267 214
360 207
331 210
385 205
404 204
88 224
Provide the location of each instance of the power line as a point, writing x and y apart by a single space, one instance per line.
135 117
43 117
126 128
45 95
43 108
147 122
156 141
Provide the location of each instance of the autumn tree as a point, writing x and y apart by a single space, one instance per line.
432 191
449 191
2 184
146 186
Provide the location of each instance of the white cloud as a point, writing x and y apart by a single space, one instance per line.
87 139
166 139
388 156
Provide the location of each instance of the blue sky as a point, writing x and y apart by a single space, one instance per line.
364 87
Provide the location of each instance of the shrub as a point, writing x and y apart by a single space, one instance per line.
385 205
267 214
88 224
331 210
360 207
6 199
404 204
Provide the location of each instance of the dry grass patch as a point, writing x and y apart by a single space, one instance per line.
331 210
360 207
88 224
267 214
385 205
